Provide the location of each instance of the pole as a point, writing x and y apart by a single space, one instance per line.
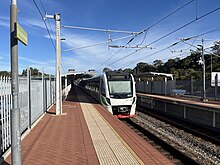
29 97
216 86
203 73
191 86
58 74
15 111
211 63
109 40
165 86
66 86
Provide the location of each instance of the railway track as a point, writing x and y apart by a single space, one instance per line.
209 134
183 146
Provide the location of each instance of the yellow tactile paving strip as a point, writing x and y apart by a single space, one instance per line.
109 146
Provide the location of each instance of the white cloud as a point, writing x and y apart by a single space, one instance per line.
4 21
48 66
33 22
86 58
31 61
93 57
53 37
4 67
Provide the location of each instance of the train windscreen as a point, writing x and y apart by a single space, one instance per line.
120 89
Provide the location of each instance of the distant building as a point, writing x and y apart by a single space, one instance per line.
91 70
71 70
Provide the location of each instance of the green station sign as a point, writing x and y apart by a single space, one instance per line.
20 34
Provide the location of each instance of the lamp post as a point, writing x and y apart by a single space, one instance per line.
58 74
203 72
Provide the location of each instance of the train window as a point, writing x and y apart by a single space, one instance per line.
120 89
118 77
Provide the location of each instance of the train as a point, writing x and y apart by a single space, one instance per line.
114 90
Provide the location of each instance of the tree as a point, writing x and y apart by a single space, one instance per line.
128 70
175 72
216 47
24 72
143 67
5 73
34 72
169 65
106 70
158 64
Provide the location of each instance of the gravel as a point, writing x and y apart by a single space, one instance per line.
202 151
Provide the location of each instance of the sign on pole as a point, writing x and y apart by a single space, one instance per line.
20 34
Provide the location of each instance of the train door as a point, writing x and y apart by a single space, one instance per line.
103 98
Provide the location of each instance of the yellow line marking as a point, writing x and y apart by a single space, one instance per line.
119 137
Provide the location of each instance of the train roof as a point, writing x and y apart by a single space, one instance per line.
96 77
117 75
110 75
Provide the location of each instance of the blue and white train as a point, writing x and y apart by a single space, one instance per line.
115 91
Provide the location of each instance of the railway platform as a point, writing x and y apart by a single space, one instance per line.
85 133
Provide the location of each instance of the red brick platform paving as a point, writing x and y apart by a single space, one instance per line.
145 151
65 139
59 140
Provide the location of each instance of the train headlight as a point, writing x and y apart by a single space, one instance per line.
108 101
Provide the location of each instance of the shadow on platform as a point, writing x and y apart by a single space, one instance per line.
5 163
52 113
72 96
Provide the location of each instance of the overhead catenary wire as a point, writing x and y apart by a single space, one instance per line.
145 35
187 24
196 8
120 31
143 58
44 23
63 66
161 50
197 47
173 51
47 19
97 44
199 35
191 45
179 55
44 20
115 54
62 63
146 30
154 24
181 27
127 56
176 56
107 30
109 58
98 29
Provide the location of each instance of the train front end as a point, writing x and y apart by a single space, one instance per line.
121 94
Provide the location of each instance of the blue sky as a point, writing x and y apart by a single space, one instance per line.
107 14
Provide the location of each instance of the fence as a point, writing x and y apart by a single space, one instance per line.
36 95
156 87
5 106
191 88
194 88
